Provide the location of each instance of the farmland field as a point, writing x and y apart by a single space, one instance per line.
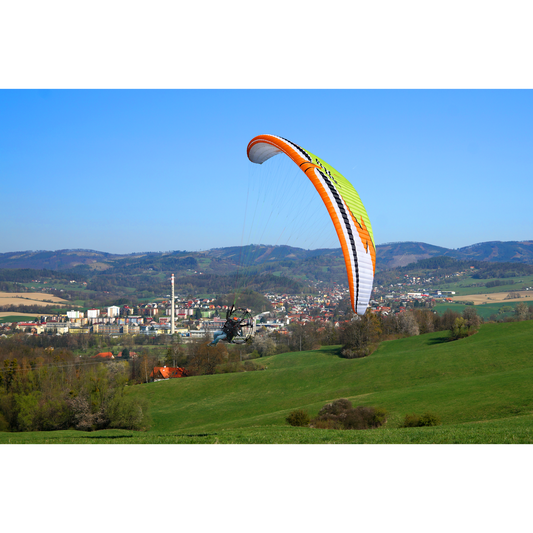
495 297
467 286
485 311
30 298
10 316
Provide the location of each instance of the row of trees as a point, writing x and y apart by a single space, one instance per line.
49 382
36 395
200 359
361 336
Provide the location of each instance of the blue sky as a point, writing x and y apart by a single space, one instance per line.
153 170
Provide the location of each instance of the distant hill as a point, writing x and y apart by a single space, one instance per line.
58 260
225 260
94 278
260 253
398 254
497 251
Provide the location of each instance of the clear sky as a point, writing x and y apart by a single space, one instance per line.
154 170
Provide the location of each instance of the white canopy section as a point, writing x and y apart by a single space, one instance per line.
260 152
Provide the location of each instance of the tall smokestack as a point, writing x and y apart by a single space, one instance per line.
173 311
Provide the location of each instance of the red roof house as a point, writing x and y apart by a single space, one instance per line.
167 372
103 355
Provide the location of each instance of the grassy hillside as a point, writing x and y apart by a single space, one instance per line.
483 377
515 430
479 386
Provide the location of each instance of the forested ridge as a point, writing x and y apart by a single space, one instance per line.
105 279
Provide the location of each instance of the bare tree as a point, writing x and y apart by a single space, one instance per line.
521 311
472 319
408 324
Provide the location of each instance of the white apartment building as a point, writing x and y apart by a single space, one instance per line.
113 311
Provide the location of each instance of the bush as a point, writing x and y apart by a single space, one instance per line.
349 353
327 423
411 421
125 412
341 415
429 419
298 418
335 408
364 418
417 421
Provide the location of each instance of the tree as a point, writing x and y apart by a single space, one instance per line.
264 345
407 324
521 311
303 336
425 319
330 335
343 308
465 325
145 367
176 355
127 340
459 329
472 319
359 336
447 320
204 359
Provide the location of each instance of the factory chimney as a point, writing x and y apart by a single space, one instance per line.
173 310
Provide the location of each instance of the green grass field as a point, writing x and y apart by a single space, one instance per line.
17 318
479 386
515 430
462 288
485 311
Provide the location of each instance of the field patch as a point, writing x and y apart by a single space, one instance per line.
11 316
30 298
495 297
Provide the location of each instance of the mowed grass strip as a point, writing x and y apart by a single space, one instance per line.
517 430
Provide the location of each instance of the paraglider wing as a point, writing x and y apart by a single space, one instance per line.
344 206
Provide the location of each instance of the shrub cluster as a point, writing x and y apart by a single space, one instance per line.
340 414
417 421
298 418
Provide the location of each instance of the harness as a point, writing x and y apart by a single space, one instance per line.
232 325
